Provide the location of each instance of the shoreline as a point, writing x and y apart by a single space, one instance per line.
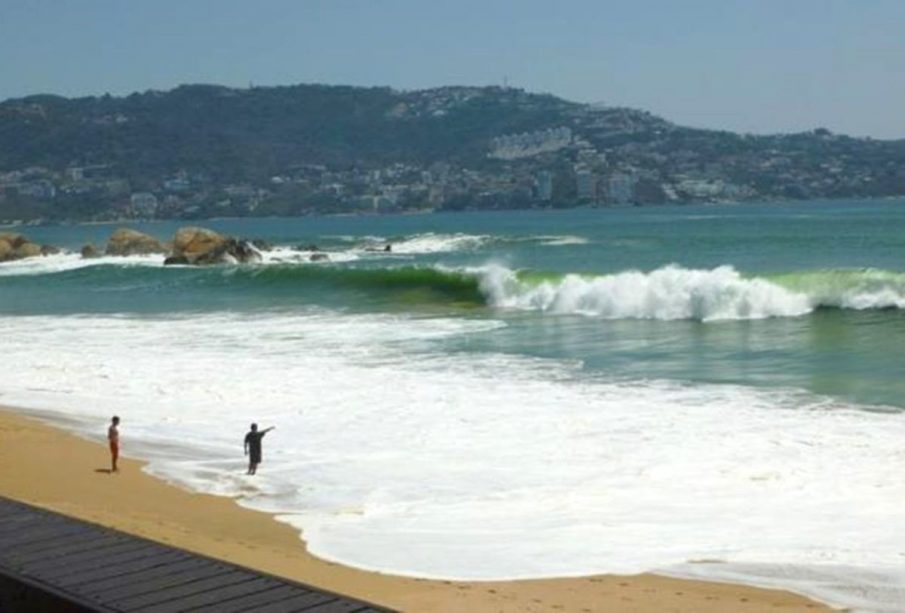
129 222
61 471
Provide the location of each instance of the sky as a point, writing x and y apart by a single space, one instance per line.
759 66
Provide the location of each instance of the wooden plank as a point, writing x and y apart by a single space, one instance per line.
12 522
254 601
37 534
94 558
173 592
137 581
337 606
86 567
64 543
71 550
245 588
120 567
296 603
163 582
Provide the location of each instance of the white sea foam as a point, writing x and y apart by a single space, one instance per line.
562 241
440 243
291 255
393 455
666 293
851 289
64 261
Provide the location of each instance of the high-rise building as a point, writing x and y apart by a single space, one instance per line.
620 189
544 185
585 184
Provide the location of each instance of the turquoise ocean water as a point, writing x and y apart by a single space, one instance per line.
847 257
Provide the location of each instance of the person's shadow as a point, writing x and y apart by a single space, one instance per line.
106 471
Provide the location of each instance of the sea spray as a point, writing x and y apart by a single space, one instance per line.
665 294
859 289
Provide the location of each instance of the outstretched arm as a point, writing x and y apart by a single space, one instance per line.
266 430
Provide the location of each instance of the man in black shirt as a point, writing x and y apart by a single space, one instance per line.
253 447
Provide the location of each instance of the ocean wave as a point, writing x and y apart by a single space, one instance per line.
665 294
858 289
428 243
673 292
66 261
668 293
439 243
444 243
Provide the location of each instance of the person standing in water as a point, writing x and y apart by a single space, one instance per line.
253 447
113 439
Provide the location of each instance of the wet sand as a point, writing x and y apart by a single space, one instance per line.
54 469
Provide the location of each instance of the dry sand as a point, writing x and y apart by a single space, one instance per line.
51 468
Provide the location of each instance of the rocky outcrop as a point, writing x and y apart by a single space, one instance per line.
90 251
201 246
192 243
17 246
131 242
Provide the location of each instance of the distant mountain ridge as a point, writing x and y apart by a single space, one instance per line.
201 150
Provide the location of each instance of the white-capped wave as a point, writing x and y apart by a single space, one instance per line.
293 255
60 262
392 454
562 241
666 294
442 243
858 289
439 243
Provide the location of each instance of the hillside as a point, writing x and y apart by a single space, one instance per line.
201 150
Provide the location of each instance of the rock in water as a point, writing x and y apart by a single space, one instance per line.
13 240
17 246
90 251
131 242
27 250
192 243
201 246
174 260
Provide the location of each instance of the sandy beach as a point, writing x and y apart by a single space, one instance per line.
51 468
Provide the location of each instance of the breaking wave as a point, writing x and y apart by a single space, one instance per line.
664 294
667 293
673 292
430 242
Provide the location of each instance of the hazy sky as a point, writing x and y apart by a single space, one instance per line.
745 65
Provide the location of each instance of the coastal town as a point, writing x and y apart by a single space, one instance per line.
567 155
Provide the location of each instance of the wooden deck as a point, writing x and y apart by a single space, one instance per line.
49 562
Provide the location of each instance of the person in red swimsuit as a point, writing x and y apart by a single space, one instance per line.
113 438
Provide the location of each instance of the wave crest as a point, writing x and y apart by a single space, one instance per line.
666 294
861 289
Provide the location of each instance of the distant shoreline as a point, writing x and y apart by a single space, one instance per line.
191 222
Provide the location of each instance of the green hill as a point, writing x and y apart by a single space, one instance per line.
202 149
